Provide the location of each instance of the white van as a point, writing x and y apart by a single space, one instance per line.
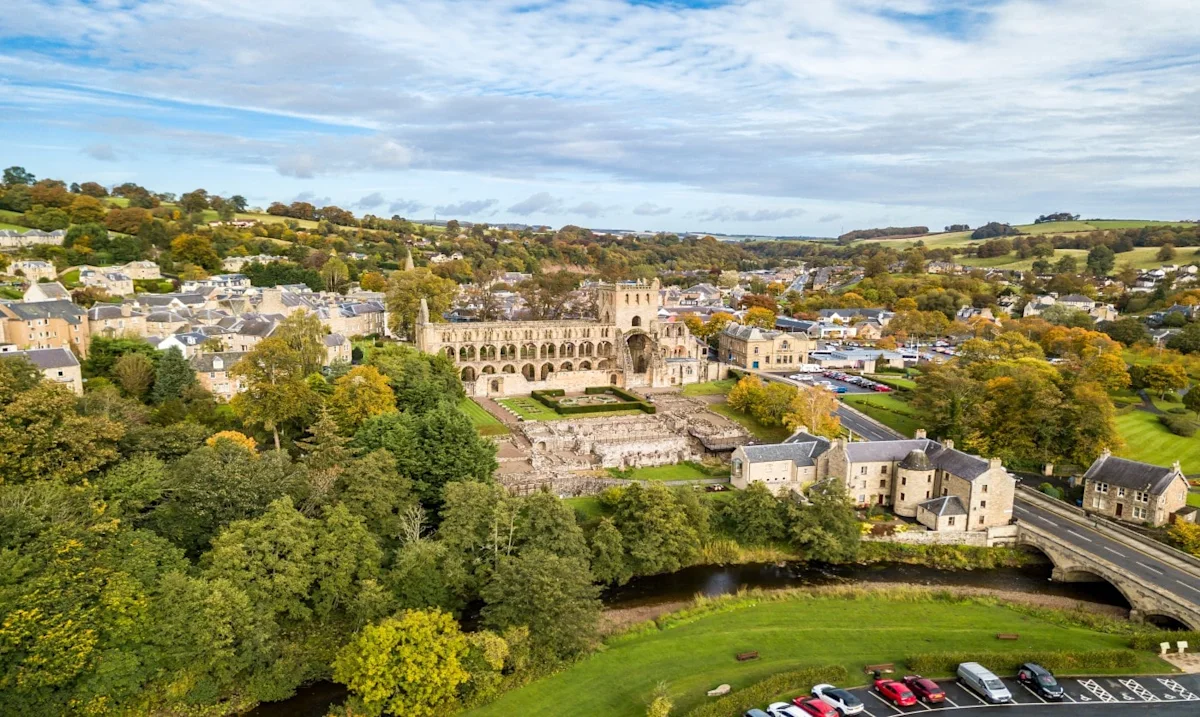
811 368
982 682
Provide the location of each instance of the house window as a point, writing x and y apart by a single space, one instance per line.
903 480
981 520
1101 487
1120 492
983 504
1139 512
1141 496
883 469
926 495
862 471
984 487
901 496
862 500
883 484
945 492
950 520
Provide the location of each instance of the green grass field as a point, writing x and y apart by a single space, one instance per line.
697 655
1012 261
886 408
893 380
484 422
678 471
14 227
1194 498
1149 441
710 388
768 434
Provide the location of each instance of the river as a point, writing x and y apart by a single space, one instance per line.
712 580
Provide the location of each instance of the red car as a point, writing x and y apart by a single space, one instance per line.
881 388
895 692
815 707
925 689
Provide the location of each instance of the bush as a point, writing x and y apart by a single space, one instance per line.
1151 640
762 692
1006 663
1051 491
1178 410
1179 425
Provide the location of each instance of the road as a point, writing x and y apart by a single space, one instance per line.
863 428
1122 554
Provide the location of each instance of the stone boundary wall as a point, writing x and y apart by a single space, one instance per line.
977 538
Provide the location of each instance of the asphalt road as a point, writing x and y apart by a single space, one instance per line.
1144 565
863 428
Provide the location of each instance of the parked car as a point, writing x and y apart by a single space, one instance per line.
783 709
839 389
881 388
983 682
925 689
895 692
839 699
810 367
755 712
1040 680
815 707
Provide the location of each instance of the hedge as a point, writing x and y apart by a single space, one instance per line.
1151 640
761 693
1007 663
547 398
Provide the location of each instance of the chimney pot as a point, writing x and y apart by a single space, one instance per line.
920 433
948 443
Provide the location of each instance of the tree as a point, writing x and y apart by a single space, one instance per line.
760 317
1163 378
745 394
194 201
608 554
173 376
93 189
755 515
409 664
1191 400
195 249
551 595
1186 536
407 288
1128 331
359 395
42 437
1101 260
134 373
304 334
1166 252
1187 341
657 535
420 381
825 528
428 573
816 410
276 391
372 281
18 175
547 523
236 437
335 274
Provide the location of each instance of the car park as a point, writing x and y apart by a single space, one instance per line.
843 701
1040 681
783 709
815 707
925 689
895 692
983 682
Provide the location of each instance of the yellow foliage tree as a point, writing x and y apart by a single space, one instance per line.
236 437
362 393
816 410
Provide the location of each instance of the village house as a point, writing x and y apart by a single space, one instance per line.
33 270
237 263
46 291
13 239
1132 491
216 282
114 283
767 349
851 316
212 372
337 348
1098 310
141 270
111 321
57 365
940 487
51 324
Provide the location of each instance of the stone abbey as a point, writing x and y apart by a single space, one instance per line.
632 343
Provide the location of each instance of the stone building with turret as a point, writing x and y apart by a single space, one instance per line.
631 343
941 487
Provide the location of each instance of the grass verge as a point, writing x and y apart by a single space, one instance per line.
484 422
886 408
694 650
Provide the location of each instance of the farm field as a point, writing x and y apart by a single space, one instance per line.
1012 261
695 655
484 422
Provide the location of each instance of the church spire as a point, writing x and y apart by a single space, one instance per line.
408 262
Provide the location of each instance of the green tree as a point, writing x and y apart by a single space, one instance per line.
43 437
825 527
335 274
551 595
608 554
1165 253
657 535
546 522
174 376
420 381
755 515
134 373
479 522
276 391
405 291
1191 400
410 664
1164 378
427 573
18 175
195 249
371 487
1101 260
304 334
1187 341
1128 331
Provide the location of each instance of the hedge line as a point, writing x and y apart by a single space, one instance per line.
547 398
760 693
1151 640
1007 663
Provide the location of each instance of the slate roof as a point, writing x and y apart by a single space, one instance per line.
56 309
1076 299
1130 474
955 462
46 358
800 453
53 289
916 460
203 363
945 506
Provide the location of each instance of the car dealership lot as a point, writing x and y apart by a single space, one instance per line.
1083 696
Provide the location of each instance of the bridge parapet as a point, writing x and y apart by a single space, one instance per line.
1072 564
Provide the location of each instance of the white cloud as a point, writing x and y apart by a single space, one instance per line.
540 203
732 214
466 208
405 206
102 152
649 209
372 200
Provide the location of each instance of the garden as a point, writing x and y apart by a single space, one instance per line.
553 404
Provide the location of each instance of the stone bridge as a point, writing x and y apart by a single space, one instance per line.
1152 587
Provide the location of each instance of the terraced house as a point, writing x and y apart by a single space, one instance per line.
941 487
1132 491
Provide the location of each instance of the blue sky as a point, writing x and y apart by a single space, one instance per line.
739 116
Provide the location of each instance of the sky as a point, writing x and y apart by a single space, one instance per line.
778 117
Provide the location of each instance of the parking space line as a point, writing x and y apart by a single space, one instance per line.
1177 688
951 702
1095 688
1150 567
969 692
1078 535
885 703
1139 690
1032 692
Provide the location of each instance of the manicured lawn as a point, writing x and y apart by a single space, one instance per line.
768 434
678 471
887 409
789 634
1194 498
710 388
529 409
590 508
1149 441
70 279
484 422
893 380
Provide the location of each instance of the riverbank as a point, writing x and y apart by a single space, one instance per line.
693 649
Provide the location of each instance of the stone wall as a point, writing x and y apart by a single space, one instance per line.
934 537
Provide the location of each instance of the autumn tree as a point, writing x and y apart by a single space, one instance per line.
195 249
304 334
760 317
43 437
359 395
405 291
1164 378
816 410
335 274
275 388
134 373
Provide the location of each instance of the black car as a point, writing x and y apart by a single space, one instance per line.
1040 680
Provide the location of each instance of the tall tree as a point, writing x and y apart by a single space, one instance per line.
816 410
43 437
405 291
173 376
657 535
359 395
825 527
304 334
608 554
134 373
276 391
547 523
18 175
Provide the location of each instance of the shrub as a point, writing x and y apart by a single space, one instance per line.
1151 640
1179 425
946 663
759 693
1050 491
1179 411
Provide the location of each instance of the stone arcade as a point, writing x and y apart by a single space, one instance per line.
630 345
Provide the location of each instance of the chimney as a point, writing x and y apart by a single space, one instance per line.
948 443
995 463
920 433
126 310
1176 467
1106 453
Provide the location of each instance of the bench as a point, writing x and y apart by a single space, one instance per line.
886 667
1007 636
743 656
